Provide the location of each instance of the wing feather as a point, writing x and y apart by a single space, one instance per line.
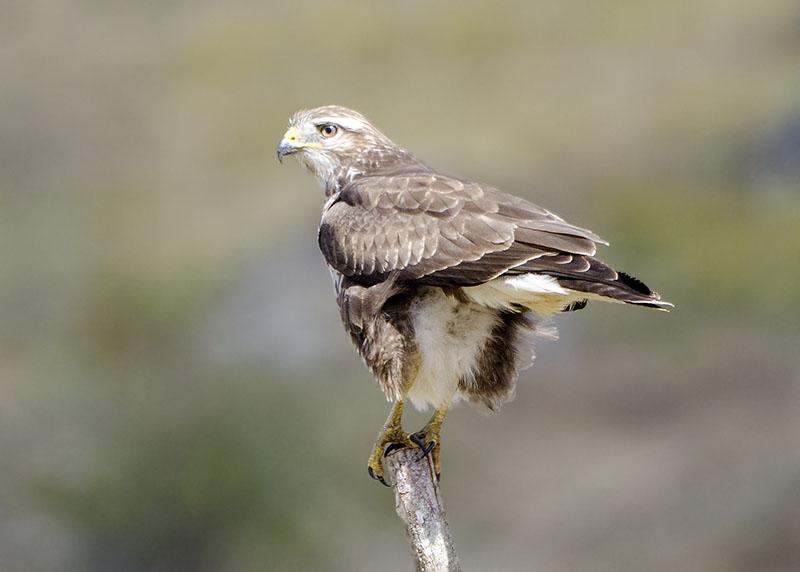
446 231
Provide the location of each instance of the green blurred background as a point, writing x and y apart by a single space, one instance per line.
176 390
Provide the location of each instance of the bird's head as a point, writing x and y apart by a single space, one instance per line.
337 144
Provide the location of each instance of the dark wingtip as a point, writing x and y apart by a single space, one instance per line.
635 284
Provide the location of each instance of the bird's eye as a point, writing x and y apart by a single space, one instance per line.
328 130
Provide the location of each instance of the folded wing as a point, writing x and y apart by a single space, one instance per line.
447 232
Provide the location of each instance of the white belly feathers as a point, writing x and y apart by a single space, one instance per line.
451 333
450 336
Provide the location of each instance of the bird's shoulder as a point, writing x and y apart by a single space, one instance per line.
408 193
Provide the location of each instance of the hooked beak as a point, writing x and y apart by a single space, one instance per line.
285 147
289 144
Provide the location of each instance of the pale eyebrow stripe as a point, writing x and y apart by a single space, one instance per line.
347 122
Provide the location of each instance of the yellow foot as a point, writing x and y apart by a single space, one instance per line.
391 438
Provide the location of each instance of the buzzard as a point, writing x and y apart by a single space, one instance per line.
442 283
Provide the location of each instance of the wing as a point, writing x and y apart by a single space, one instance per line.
443 231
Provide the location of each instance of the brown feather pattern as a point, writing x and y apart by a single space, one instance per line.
403 243
442 231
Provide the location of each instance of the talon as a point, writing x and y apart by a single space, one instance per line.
376 477
426 447
388 442
391 438
392 447
415 438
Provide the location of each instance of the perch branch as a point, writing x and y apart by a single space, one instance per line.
419 504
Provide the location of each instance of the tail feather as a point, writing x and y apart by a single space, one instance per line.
625 288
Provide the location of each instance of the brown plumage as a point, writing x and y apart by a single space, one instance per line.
441 282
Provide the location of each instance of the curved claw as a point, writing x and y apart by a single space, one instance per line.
426 447
377 477
414 437
392 447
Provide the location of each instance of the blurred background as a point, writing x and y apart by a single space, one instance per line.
176 390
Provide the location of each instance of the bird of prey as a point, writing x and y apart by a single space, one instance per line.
441 282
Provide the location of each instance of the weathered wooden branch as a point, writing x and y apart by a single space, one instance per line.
419 504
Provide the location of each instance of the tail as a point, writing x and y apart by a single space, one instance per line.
623 288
